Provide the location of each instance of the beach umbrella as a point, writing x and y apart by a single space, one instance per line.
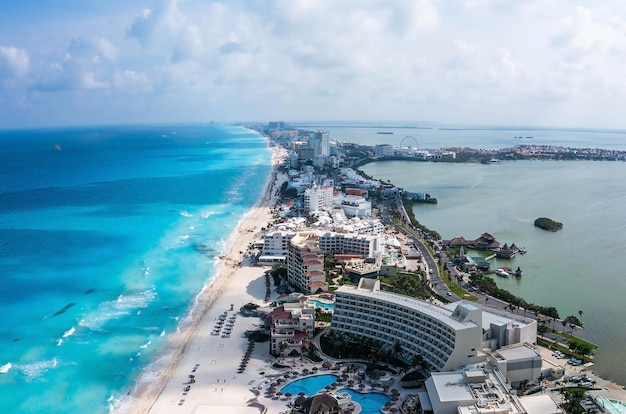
393 409
279 393
395 391
288 394
328 387
361 386
301 393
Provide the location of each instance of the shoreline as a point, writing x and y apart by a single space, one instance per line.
156 379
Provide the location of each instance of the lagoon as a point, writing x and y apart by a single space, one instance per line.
578 268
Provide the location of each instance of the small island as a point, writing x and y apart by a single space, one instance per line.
548 224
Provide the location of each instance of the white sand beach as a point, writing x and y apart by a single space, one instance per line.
198 372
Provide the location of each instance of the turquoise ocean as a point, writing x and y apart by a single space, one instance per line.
579 268
107 234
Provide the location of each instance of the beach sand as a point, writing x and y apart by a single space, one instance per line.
213 360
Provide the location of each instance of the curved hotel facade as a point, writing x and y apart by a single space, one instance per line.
447 338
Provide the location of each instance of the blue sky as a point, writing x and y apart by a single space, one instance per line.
557 63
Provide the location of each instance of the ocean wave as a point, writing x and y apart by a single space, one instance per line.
144 346
114 309
59 342
206 214
36 369
184 213
5 368
69 332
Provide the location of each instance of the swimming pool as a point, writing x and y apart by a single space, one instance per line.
612 406
319 304
370 402
309 385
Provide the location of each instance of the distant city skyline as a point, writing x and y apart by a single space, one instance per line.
470 62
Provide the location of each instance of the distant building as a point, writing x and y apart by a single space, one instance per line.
319 141
275 247
276 125
383 150
318 198
355 206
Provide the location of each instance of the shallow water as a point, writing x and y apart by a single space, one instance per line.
106 236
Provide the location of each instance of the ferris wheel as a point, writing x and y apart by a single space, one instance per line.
407 141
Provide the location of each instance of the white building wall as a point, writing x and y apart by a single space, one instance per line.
421 328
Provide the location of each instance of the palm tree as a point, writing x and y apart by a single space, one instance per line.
397 348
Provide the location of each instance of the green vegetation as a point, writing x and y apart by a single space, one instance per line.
409 284
572 396
250 306
322 317
488 285
408 206
278 273
548 224
258 336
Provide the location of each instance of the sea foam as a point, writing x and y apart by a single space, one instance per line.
5 368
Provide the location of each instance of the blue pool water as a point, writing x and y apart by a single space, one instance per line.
328 306
370 402
310 385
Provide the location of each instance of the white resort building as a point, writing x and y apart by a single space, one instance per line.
291 328
447 338
276 244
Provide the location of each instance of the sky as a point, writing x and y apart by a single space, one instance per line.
552 63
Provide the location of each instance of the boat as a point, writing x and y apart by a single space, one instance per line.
494 161
502 272
522 250
384 133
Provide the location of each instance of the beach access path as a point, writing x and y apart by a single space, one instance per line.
198 371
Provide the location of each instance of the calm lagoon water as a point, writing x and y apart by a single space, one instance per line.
577 268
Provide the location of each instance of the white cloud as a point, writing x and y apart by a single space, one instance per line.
469 61
16 59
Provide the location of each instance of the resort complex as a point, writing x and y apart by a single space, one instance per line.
358 310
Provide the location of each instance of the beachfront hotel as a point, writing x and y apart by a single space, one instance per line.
277 244
305 264
447 337
291 327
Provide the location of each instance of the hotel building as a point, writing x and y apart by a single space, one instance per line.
305 264
291 327
447 338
